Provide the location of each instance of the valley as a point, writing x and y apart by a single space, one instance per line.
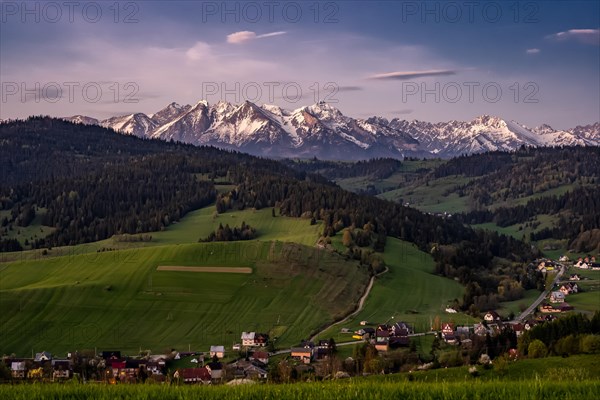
294 245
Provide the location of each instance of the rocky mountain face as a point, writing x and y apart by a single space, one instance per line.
321 130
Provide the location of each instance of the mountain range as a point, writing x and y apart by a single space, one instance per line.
321 130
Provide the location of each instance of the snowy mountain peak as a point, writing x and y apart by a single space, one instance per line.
322 130
82 119
201 103
276 110
168 113
323 109
489 120
543 129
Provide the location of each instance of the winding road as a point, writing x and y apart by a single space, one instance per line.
361 303
363 298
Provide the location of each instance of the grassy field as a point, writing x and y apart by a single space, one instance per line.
409 171
589 299
518 230
31 232
515 306
119 299
573 368
195 225
76 297
408 292
432 197
343 390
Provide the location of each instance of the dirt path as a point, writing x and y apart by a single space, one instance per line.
361 303
227 270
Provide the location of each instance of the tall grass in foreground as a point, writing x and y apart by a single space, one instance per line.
351 389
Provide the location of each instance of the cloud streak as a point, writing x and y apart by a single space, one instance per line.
248 36
533 51
405 75
587 36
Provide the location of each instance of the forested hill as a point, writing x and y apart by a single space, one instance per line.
550 196
502 176
40 148
93 183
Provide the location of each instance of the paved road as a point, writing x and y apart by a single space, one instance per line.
542 296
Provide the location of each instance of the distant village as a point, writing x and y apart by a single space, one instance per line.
250 360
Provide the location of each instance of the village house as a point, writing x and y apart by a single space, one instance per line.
155 367
304 354
382 338
127 370
569 288
252 339
448 333
492 316
542 266
61 369
248 339
194 375
549 308
480 329
529 324
556 308
218 351
364 333
216 370
261 339
399 335
35 372
18 369
260 356
557 297
575 277
43 356
255 372
518 328
323 349
401 328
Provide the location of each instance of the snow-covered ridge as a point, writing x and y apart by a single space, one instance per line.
324 131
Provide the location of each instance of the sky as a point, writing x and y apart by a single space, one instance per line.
533 62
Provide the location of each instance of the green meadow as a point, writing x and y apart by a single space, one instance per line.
408 292
343 390
434 197
119 299
79 297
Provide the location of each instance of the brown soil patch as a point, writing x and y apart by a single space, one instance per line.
227 270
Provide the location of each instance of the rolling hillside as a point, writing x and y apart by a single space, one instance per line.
99 300
118 299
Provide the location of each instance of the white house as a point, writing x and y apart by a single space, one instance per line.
557 297
248 338
218 351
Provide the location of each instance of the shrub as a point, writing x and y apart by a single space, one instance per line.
537 349
590 344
